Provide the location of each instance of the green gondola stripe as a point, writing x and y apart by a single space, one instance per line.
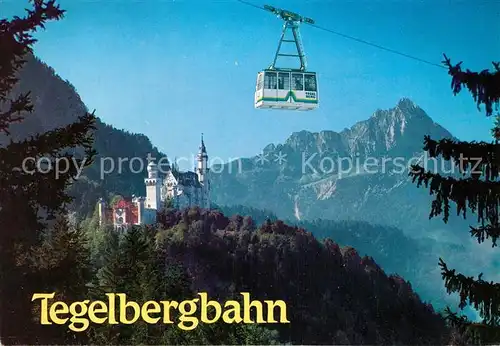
286 98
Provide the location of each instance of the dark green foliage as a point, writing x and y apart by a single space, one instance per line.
483 86
333 294
28 200
63 259
133 265
129 267
259 216
390 248
477 191
61 264
221 334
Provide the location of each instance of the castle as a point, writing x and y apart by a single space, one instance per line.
178 190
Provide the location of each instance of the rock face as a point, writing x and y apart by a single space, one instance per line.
360 173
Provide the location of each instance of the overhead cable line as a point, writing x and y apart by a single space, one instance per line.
358 40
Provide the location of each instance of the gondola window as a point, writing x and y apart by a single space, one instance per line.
270 80
298 81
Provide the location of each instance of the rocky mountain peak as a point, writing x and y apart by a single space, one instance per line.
400 128
301 139
405 124
404 111
406 104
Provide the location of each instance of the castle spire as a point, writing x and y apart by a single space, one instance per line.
202 164
202 173
203 150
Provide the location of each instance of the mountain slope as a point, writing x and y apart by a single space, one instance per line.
56 104
360 173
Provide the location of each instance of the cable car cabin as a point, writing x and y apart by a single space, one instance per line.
289 90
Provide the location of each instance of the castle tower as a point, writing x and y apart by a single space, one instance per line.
153 187
202 162
101 205
139 203
202 172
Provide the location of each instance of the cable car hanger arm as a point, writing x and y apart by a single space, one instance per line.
292 22
298 44
289 14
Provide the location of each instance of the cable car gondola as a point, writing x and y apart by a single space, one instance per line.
288 88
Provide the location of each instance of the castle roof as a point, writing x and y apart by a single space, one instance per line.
124 202
203 149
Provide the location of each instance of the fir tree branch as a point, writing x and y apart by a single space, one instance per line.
15 42
483 295
51 142
14 110
484 86
475 157
24 180
486 231
473 332
479 196
16 39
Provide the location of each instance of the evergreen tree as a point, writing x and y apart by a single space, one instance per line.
61 264
96 235
63 260
111 273
29 197
478 191
109 279
131 266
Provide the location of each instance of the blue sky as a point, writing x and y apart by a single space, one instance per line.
173 69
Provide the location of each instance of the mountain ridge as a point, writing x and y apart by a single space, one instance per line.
404 112
395 133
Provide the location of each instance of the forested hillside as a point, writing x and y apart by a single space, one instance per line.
334 295
395 252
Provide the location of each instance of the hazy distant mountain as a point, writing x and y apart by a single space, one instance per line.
369 180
